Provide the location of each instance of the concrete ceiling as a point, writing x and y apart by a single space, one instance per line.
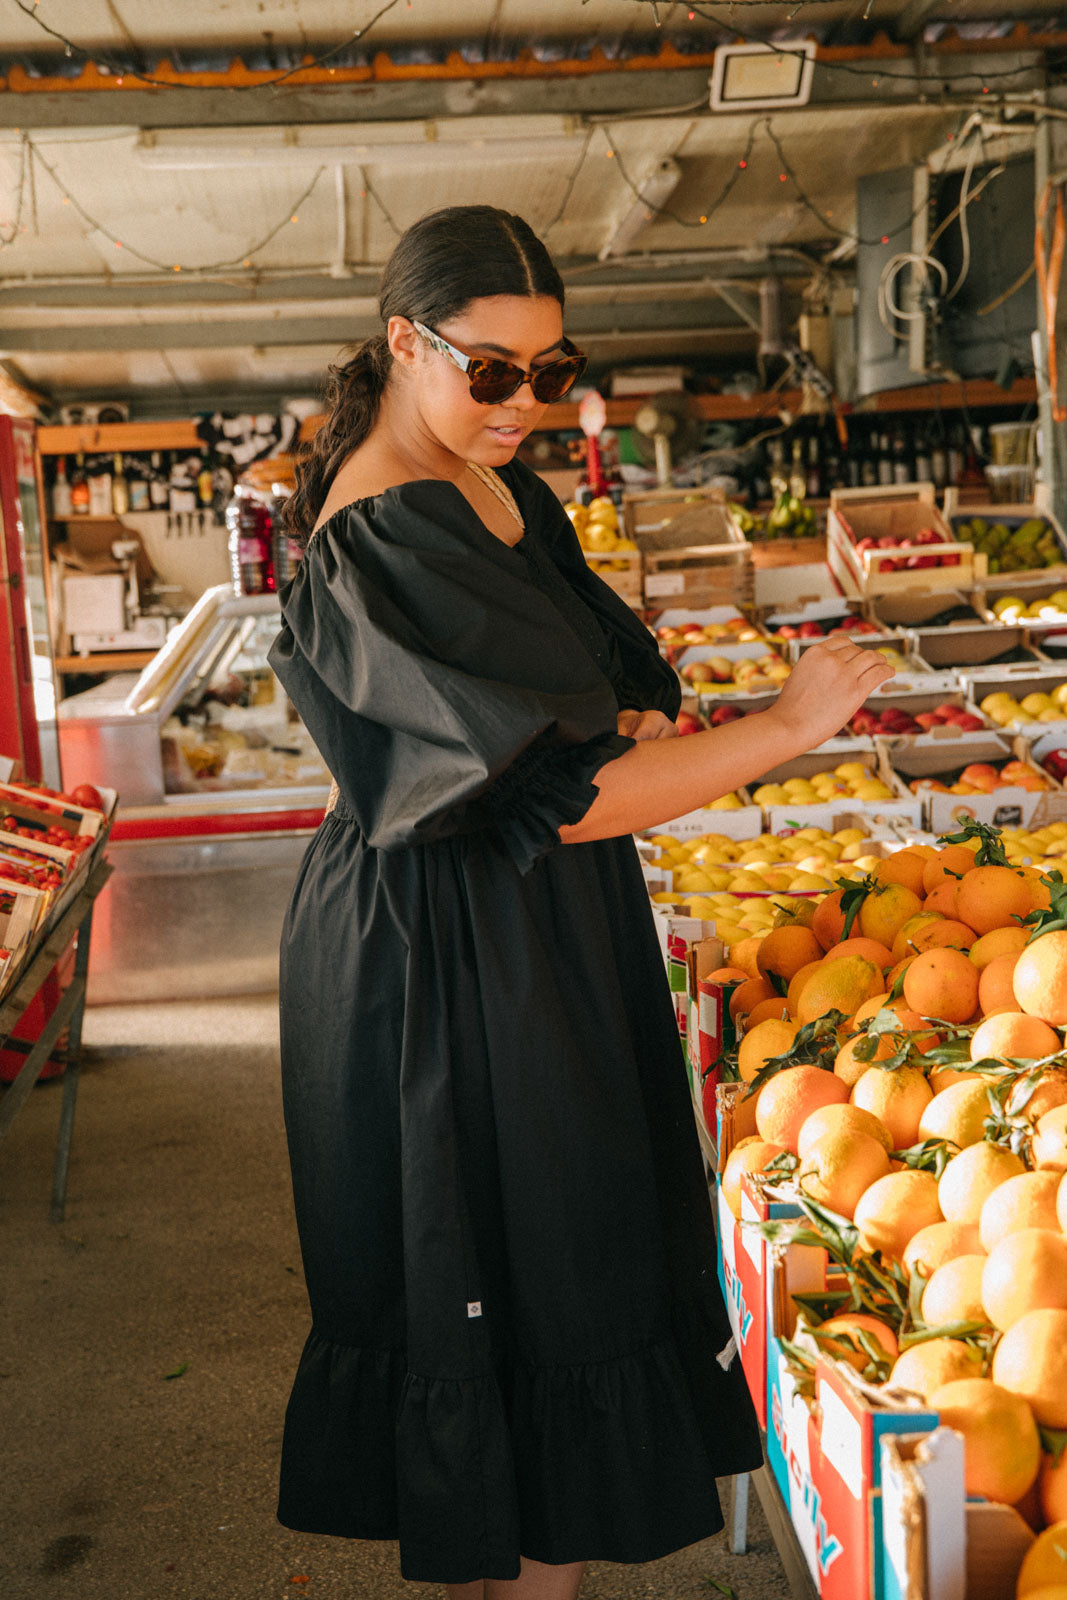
280 205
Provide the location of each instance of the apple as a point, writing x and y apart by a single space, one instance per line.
1055 763
686 722
810 630
725 713
720 669
927 719
788 631
968 722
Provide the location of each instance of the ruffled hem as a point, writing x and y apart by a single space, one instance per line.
609 1461
547 789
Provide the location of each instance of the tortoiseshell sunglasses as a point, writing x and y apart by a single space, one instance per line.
492 381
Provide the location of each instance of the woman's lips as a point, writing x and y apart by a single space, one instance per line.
507 433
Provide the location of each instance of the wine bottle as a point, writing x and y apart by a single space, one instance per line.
885 458
120 489
62 504
79 488
159 483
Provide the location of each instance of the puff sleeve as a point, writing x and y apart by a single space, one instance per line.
444 690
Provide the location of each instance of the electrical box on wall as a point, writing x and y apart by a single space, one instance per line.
918 321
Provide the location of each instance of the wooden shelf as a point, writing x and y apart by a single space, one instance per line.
975 393
103 661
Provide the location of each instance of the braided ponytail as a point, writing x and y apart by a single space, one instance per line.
442 263
353 395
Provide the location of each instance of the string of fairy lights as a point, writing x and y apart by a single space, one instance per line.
761 128
120 70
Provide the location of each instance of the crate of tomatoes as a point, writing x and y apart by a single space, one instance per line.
46 840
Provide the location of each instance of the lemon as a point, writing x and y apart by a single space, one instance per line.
726 802
853 769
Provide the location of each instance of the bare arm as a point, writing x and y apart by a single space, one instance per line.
663 778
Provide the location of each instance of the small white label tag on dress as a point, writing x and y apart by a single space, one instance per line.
474 1308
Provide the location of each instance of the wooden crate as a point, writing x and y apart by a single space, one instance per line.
788 552
692 548
622 571
901 510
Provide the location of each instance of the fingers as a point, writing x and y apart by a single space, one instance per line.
628 722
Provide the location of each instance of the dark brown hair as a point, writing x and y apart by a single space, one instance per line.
442 263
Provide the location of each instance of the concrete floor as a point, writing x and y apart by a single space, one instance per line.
119 1480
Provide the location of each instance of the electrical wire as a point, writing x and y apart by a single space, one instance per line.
244 259
1023 277
382 207
571 181
120 70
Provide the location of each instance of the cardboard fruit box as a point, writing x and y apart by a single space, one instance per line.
912 703
22 910
676 631
751 650
1007 806
926 608
979 645
1019 681
738 822
936 1544
1013 517
908 511
784 816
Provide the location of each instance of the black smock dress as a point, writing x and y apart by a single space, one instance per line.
519 1346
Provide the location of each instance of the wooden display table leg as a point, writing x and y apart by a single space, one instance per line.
70 1079
76 922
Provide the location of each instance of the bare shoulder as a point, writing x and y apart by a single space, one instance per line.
367 472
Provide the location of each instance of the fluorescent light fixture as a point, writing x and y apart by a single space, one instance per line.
451 142
759 77
653 190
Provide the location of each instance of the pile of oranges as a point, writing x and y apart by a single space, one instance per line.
930 1118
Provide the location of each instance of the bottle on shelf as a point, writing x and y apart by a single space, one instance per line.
955 457
814 473
250 543
869 462
120 489
62 500
205 484
286 551
884 458
901 456
137 485
923 463
159 483
798 477
938 456
79 488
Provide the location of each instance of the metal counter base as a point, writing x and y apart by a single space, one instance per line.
188 918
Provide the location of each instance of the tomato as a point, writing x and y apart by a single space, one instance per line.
88 797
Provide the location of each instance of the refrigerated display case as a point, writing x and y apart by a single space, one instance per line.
27 664
220 789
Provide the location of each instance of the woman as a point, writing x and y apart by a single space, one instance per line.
520 1358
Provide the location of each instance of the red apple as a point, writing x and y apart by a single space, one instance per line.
927 719
810 630
687 723
968 722
723 714
788 631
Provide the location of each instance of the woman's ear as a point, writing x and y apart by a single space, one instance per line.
403 341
